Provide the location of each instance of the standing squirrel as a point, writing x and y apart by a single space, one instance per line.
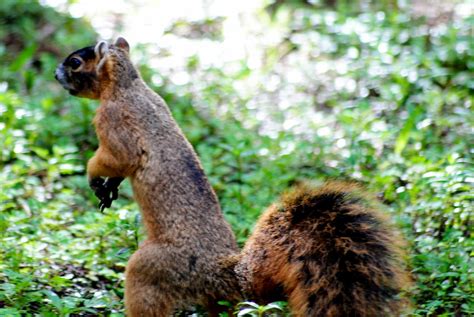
326 250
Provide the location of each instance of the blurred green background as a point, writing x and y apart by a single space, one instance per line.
272 94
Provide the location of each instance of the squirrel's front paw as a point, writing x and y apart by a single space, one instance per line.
105 190
98 185
111 187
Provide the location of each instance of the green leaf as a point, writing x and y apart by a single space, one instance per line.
404 136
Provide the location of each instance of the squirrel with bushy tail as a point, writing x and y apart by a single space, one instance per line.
326 250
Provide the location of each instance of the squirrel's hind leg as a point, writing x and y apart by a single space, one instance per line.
144 301
145 295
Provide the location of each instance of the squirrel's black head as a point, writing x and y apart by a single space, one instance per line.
90 70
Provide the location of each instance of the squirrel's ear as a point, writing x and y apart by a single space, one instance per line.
101 50
123 44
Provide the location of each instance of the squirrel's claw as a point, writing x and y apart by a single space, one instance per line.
104 203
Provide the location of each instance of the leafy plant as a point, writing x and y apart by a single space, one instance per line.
251 309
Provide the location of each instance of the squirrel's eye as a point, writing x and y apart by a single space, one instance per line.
75 63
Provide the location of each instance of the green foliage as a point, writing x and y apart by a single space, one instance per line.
377 97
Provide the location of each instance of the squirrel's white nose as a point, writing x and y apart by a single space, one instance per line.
59 72
62 78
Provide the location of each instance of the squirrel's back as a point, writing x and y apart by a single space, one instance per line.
328 251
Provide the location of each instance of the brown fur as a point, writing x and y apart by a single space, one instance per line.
326 250
179 264
329 251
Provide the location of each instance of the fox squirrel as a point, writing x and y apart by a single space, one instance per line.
326 250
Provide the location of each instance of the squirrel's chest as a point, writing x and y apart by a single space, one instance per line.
109 116
107 124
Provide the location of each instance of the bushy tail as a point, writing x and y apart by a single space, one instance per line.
328 251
